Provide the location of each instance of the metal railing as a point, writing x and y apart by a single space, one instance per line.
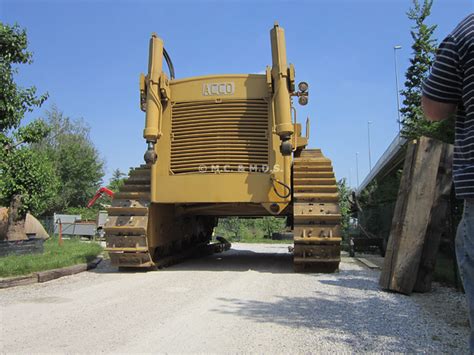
390 159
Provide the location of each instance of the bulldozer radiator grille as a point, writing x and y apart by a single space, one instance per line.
230 135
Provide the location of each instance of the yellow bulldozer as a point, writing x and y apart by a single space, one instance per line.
219 146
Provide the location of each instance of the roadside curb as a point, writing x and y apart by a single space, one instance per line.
48 275
368 263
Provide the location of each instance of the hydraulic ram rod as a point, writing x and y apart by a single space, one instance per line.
154 109
281 97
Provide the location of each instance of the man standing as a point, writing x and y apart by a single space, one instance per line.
450 88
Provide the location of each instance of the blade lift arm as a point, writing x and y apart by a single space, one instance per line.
154 89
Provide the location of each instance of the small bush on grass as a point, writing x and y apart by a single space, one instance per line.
72 252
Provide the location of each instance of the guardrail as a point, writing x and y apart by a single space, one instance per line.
393 156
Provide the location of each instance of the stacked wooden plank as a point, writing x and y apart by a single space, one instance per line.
418 218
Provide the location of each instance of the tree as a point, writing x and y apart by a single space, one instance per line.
344 204
27 181
271 225
424 48
232 225
76 161
117 180
15 101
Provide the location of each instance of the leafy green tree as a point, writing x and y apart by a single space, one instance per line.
271 225
27 181
76 160
424 49
29 174
344 204
249 229
117 180
15 101
232 225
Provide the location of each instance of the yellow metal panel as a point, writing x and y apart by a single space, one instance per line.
212 87
207 128
215 188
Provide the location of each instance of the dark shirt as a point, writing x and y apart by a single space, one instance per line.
452 81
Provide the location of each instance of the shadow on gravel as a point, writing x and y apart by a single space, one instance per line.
356 280
231 260
239 260
106 268
364 320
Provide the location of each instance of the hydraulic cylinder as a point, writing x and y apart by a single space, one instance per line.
281 96
154 109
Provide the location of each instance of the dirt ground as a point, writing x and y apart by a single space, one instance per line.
245 300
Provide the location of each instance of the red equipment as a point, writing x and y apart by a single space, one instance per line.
100 192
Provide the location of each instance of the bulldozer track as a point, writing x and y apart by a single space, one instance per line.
316 214
126 228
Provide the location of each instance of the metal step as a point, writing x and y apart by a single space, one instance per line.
127 211
318 218
126 203
317 181
129 195
135 188
313 153
318 240
312 174
321 197
327 230
126 241
139 172
312 161
126 259
315 188
138 180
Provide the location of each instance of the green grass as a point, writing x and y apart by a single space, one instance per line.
72 252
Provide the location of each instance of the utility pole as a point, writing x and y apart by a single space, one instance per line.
368 141
396 84
357 168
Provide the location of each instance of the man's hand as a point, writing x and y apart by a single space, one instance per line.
437 111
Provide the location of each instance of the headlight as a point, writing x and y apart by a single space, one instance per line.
303 86
303 100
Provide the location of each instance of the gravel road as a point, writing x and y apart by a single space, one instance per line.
245 300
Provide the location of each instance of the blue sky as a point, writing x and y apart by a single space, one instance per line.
88 55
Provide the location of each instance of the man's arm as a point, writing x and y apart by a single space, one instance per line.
435 110
442 89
